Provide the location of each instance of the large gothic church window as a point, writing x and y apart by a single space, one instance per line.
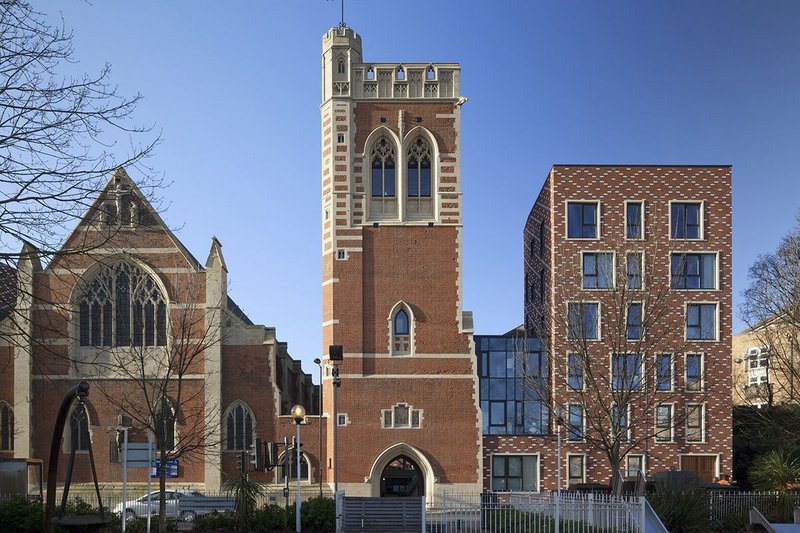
418 179
383 201
122 306
79 428
238 428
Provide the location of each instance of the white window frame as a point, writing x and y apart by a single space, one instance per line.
538 468
627 420
702 372
642 383
566 219
671 423
702 219
583 372
640 253
694 252
566 467
716 305
342 416
641 321
643 458
568 424
613 255
641 221
702 407
671 372
411 412
599 319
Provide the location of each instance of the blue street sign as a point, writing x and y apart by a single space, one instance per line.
172 468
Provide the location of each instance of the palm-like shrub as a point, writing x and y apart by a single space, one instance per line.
776 470
682 506
245 492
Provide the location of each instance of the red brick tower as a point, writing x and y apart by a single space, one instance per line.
391 284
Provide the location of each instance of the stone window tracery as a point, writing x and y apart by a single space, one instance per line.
165 424
122 306
383 179
401 416
418 179
401 332
79 428
239 423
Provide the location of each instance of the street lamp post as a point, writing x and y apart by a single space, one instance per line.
318 361
558 414
299 414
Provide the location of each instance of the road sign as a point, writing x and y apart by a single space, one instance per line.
139 454
172 468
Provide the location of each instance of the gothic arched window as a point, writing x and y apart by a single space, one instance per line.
165 424
6 427
122 306
341 66
418 179
79 428
382 181
238 428
401 332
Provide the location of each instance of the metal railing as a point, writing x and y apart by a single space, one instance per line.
532 512
724 505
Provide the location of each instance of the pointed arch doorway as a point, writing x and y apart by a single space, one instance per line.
402 477
401 471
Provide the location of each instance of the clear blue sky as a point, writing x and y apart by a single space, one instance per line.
235 88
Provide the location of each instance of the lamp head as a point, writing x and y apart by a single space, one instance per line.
317 361
299 414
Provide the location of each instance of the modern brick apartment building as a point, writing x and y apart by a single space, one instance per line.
130 297
628 284
391 281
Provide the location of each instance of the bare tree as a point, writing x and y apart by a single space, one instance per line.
771 310
616 375
57 132
154 381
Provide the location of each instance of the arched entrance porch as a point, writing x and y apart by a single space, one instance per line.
401 470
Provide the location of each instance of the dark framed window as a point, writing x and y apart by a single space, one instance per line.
663 423
701 321
239 428
122 306
165 424
633 269
634 220
419 169
575 469
401 333
694 372
633 324
619 422
582 220
693 271
664 372
583 320
598 270
685 220
575 371
626 371
541 238
79 428
575 422
383 170
541 286
6 427
694 423
513 385
515 473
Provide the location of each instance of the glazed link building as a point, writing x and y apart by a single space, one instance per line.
424 406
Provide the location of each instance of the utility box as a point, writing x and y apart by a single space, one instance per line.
21 477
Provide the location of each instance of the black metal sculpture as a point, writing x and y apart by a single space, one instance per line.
88 522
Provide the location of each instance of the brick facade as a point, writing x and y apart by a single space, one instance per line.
552 257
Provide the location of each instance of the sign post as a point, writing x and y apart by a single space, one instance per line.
149 491
124 476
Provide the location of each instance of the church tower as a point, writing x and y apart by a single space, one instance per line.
408 421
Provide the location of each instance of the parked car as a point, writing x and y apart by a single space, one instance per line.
183 504
138 507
